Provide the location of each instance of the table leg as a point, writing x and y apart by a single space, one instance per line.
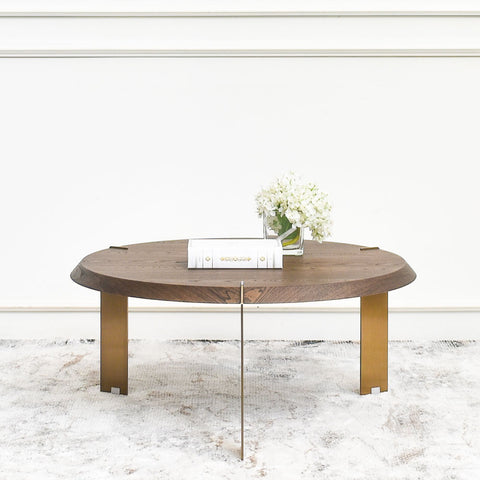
114 343
374 343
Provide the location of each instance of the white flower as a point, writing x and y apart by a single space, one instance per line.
303 205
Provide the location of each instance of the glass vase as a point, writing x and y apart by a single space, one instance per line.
279 226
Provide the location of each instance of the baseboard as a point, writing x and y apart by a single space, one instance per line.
222 322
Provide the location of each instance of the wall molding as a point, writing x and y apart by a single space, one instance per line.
231 34
239 53
207 308
289 322
243 14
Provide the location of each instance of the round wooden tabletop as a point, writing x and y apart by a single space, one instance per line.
326 271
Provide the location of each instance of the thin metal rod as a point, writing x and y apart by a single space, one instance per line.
242 416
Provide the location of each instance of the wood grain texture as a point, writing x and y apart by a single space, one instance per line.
326 271
374 343
113 343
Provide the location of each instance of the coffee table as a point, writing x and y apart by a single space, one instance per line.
326 271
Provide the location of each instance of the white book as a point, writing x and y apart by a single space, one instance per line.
235 253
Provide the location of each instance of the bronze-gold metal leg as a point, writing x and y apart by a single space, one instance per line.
114 343
374 343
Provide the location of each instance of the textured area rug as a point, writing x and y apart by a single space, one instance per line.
304 416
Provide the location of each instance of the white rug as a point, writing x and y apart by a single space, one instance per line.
304 416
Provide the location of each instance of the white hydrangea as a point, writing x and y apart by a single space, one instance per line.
303 204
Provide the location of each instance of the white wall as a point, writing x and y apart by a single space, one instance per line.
381 111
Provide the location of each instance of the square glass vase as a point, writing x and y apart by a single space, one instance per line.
292 238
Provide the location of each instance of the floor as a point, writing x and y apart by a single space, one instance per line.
304 416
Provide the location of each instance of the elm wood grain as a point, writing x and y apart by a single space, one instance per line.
326 271
374 343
